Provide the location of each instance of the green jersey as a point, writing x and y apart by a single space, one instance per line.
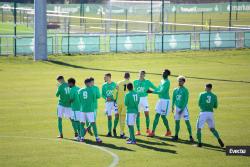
132 102
207 101
108 90
75 104
141 87
163 89
63 91
98 95
180 97
87 99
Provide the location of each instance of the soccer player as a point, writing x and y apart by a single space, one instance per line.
207 103
110 105
98 95
141 86
63 108
75 106
163 105
131 102
121 92
179 102
87 99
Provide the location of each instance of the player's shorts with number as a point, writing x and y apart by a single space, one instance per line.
110 107
131 118
143 104
184 114
63 112
163 106
87 116
205 117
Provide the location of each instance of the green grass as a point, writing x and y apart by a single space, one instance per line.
28 108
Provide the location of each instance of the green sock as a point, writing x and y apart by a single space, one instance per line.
215 133
132 133
116 122
78 127
165 121
177 127
94 129
60 125
156 120
147 121
87 124
199 136
74 125
82 129
138 122
109 125
189 127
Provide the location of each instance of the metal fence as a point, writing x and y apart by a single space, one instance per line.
103 43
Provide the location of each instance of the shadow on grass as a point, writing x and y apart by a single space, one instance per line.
153 143
204 145
107 145
156 148
112 70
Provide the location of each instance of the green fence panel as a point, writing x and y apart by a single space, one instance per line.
81 44
131 43
247 40
25 45
218 40
173 42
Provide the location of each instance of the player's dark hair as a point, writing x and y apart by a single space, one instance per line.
91 79
143 71
59 77
72 80
130 86
166 73
108 75
209 85
127 75
86 81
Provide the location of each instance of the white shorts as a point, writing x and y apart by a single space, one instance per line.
78 115
163 106
205 117
143 104
111 107
87 116
131 118
63 112
184 114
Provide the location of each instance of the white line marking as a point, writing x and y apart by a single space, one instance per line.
115 156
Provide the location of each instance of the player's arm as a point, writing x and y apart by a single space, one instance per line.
71 96
104 93
200 101
215 102
98 95
151 85
126 101
185 99
58 91
173 100
165 88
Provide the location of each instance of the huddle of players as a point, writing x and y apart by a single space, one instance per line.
126 100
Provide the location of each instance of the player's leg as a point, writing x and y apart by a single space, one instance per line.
91 119
188 125
78 123
116 120
122 115
138 117
131 121
165 108
200 124
156 119
82 124
177 118
60 111
73 122
146 112
211 126
108 110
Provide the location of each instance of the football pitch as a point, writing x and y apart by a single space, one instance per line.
29 123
